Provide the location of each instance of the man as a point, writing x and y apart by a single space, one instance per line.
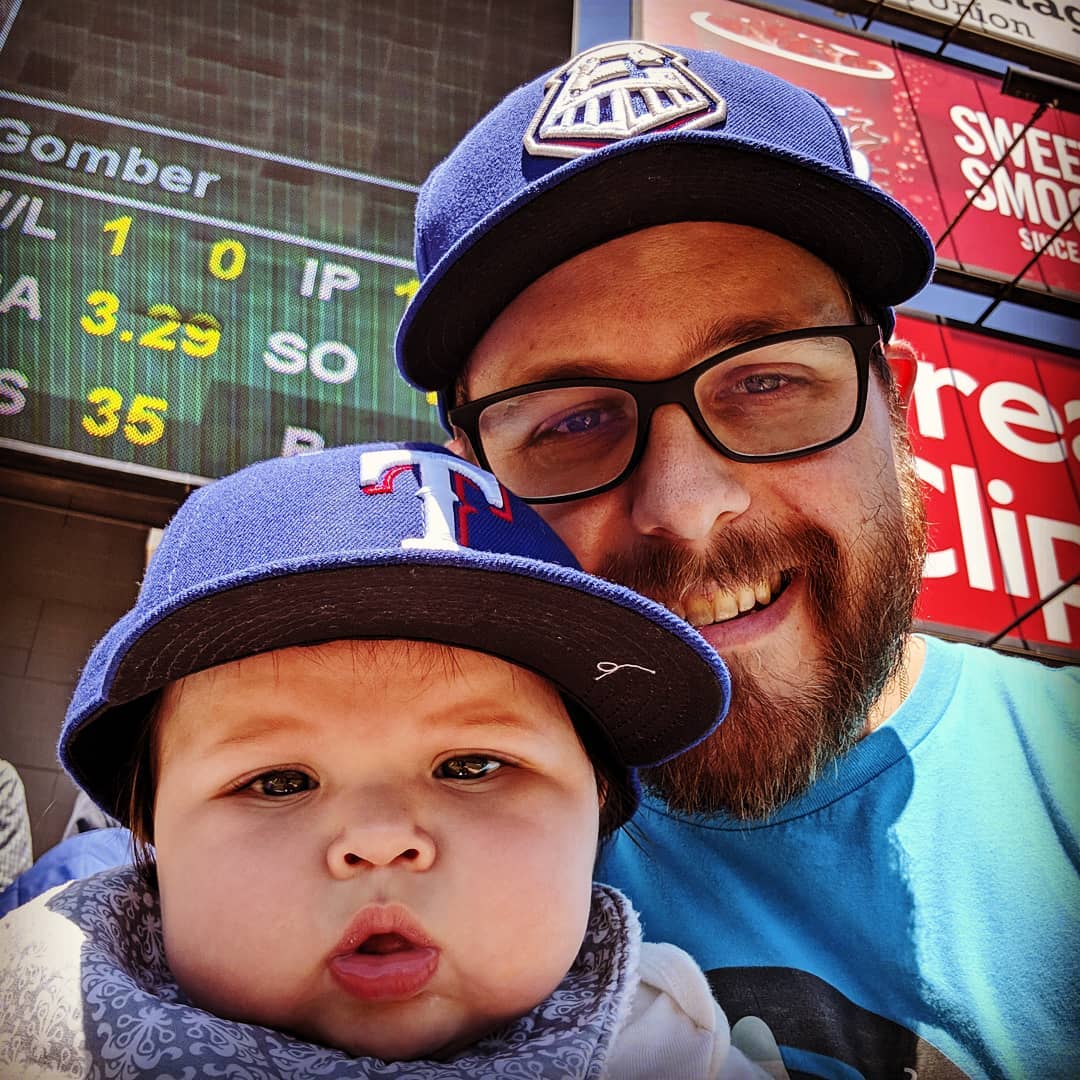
653 295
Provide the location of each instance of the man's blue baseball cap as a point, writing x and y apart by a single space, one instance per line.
386 540
623 137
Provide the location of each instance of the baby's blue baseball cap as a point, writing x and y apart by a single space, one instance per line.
623 137
386 540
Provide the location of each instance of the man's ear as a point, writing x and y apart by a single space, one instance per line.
603 789
461 446
903 362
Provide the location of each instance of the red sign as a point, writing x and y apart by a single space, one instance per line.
967 125
996 430
923 130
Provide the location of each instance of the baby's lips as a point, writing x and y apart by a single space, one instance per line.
392 976
384 955
383 920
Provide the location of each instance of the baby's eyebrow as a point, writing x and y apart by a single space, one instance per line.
476 716
497 717
256 728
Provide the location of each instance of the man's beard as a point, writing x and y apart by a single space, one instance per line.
861 591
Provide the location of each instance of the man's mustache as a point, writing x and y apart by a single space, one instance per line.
735 557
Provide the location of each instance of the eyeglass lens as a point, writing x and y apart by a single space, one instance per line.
783 397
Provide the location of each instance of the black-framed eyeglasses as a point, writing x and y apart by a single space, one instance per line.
775 398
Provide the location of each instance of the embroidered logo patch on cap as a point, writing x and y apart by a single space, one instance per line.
442 479
616 91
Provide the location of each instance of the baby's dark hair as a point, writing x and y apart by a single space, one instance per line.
616 784
141 792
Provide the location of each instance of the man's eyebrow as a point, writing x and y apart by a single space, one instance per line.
722 333
570 368
727 331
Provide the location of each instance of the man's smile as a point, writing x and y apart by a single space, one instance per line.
717 605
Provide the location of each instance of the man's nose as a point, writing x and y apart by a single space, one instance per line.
380 836
682 487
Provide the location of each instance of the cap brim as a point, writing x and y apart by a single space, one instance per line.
878 247
656 689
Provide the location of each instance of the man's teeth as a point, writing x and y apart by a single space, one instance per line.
720 606
698 611
724 605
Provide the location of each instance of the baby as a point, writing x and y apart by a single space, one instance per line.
374 722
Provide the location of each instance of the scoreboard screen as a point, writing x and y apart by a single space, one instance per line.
206 216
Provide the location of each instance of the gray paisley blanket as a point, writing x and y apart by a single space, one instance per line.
85 992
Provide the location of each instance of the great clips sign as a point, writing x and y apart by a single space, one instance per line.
996 430
925 131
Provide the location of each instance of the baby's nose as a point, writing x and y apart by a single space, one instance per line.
396 842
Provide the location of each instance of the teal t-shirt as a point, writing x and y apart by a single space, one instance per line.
917 913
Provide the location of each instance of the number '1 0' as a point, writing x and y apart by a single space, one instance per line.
227 257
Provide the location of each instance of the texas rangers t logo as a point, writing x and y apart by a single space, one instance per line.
441 492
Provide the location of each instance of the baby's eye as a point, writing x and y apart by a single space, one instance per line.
475 767
283 782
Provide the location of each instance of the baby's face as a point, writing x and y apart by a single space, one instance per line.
386 848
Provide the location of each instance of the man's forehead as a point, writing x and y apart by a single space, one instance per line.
672 294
